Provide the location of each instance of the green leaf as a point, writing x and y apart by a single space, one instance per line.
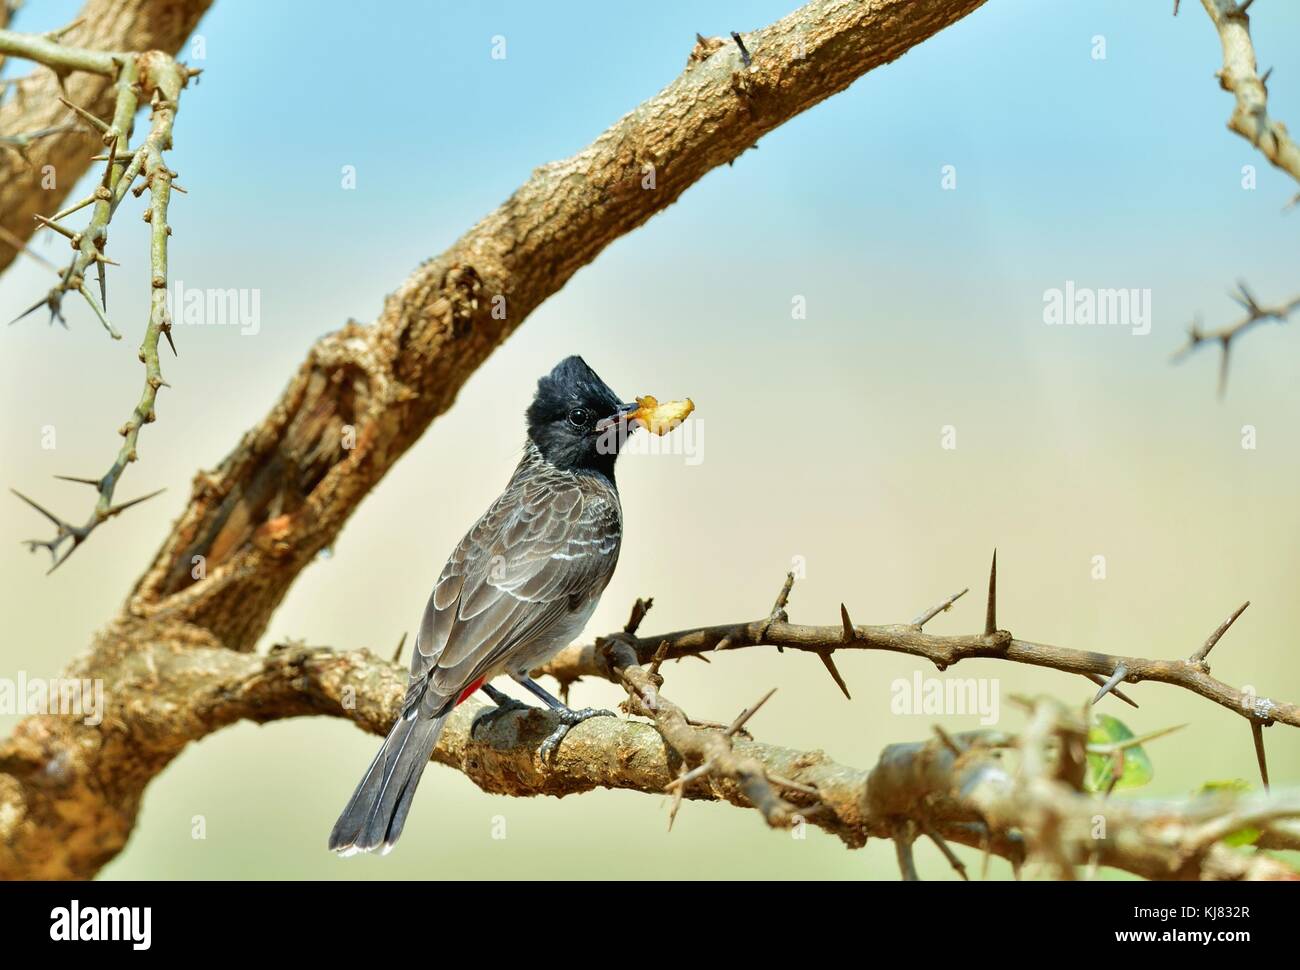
1233 787
1137 769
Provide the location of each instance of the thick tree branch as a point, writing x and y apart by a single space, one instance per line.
288 488
176 664
103 26
171 662
70 792
1240 77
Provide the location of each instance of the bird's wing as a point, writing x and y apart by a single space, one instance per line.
547 545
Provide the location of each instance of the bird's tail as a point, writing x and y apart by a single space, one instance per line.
375 814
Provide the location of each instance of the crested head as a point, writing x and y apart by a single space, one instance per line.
574 419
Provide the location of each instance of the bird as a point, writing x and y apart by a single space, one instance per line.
518 588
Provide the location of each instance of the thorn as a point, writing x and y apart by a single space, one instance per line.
792 785
948 854
778 610
1257 732
849 633
943 607
1134 741
397 654
661 654
991 617
903 848
58 33
86 115
1244 298
677 800
947 741
62 230
747 713
639 609
119 509
73 208
31 309
59 523
98 312
682 780
1199 656
744 51
1121 671
825 657
94 482
1115 691
107 181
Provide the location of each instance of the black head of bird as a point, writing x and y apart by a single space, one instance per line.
576 421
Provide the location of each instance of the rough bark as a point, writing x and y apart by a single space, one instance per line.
289 487
69 793
176 662
109 25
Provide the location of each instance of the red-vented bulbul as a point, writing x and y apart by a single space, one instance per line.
519 587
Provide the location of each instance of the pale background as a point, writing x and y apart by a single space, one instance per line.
924 309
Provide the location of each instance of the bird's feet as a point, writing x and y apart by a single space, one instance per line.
568 720
488 717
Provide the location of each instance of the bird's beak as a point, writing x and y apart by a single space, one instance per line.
625 412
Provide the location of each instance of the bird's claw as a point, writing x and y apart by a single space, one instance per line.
568 720
489 716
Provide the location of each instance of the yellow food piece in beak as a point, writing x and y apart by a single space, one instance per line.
661 418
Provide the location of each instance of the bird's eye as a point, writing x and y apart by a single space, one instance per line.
579 417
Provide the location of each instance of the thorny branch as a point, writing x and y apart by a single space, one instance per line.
1239 76
956 789
176 661
1106 670
708 753
159 78
1256 313
70 793
41 177
1250 119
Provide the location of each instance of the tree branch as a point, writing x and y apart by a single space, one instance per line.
157 76
1256 313
588 660
176 666
285 492
102 27
1239 76
70 792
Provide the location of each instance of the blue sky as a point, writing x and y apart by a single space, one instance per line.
925 309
